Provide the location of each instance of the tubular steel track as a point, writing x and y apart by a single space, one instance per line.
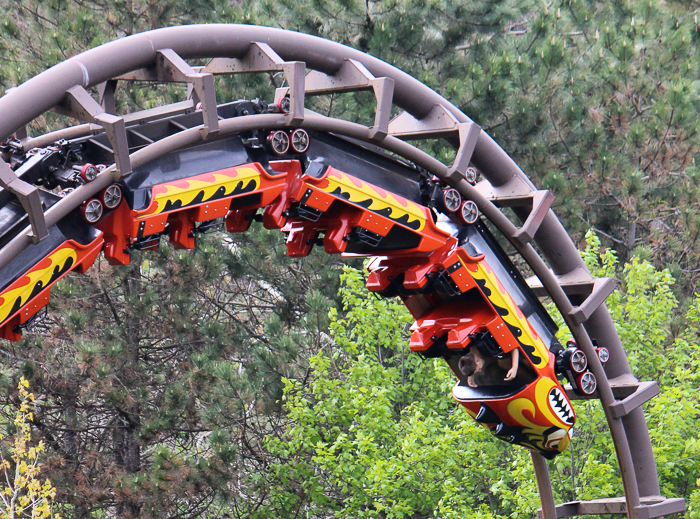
159 56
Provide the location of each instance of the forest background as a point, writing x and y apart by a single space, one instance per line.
232 381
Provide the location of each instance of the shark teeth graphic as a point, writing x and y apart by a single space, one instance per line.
560 406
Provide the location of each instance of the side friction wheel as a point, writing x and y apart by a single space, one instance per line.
91 210
283 105
299 141
278 142
111 196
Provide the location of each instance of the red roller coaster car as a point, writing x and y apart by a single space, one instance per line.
429 247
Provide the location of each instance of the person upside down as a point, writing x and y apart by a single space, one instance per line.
476 369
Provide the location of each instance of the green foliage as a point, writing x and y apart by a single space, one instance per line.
155 401
238 377
375 433
643 310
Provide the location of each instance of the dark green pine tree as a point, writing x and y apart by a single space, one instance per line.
598 102
159 380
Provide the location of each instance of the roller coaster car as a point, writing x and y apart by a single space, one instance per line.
473 300
25 283
532 410
318 189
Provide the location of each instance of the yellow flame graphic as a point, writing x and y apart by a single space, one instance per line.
39 274
381 200
503 300
186 190
520 407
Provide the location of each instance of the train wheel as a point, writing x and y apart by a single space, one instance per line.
278 142
587 383
91 210
452 200
299 140
578 361
111 196
469 212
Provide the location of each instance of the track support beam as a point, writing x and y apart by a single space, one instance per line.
602 288
28 196
541 203
436 124
353 76
650 507
468 137
261 58
170 67
78 103
544 485
106 92
645 392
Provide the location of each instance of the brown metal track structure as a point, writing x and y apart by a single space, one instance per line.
314 66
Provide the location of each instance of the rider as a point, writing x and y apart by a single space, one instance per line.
478 370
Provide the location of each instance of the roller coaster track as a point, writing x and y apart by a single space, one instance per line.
313 66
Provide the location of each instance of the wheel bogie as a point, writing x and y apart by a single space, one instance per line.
575 366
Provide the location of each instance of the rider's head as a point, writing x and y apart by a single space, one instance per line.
478 357
467 365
